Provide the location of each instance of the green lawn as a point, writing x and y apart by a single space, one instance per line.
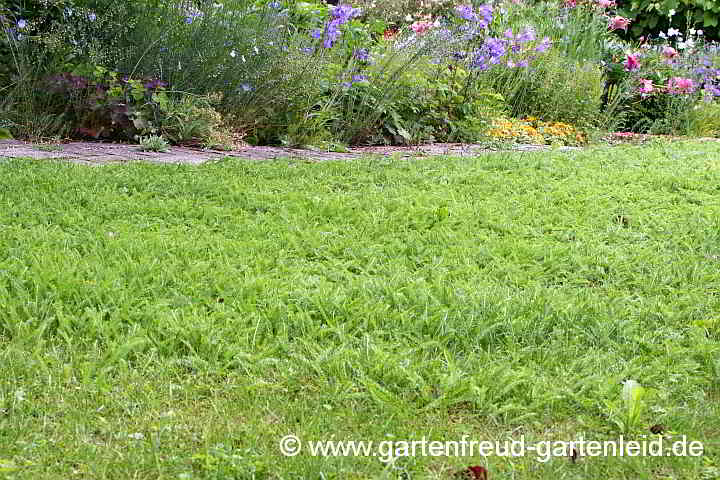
177 321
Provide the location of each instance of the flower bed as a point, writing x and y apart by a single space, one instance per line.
307 73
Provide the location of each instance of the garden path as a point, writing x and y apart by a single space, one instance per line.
96 153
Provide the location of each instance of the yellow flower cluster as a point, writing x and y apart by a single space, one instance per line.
535 131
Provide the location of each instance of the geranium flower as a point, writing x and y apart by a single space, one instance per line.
619 23
646 86
631 63
421 27
680 85
669 52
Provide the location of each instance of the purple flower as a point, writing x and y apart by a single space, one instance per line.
21 24
362 54
92 17
152 84
712 90
246 87
479 61
544 45
190 18
275 5
528 35
486 14
466 12
496 48
331 34
359 78
482 17
344 13
340 15
307 50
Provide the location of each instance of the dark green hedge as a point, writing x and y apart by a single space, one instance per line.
651 17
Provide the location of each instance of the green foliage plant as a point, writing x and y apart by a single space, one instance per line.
154 143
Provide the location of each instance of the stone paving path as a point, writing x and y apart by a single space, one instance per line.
96 153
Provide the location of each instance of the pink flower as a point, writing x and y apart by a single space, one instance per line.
647 86
619 23
421 27
571 3
680 85
631 63
669 52
606 3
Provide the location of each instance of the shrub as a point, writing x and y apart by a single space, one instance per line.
649 18
555 90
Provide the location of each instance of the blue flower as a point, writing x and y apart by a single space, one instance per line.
340 15
190 18
479 61
92 17
275 5
544 45
466 12
21 24
362 54
496 47
486 14
528 35
246 87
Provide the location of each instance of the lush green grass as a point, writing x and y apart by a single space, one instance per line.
177 321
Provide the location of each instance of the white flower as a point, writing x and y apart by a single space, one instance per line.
673 32
233 54
691 31
699 32
671 12
136 436
662 35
